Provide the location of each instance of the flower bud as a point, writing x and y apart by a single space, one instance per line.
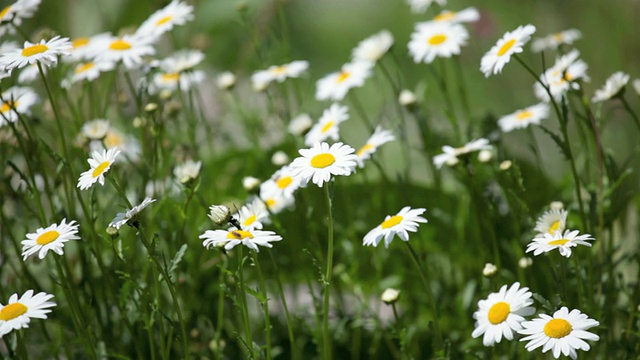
219 214
489 270
390 296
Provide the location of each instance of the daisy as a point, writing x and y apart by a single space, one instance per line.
163 20
84 48
551 221
182 60
282 183
14 13
321 161
90 70
378 138
433 39
450 154
400 224
123 218
279 73
128 144
187 171
18 312
100 163
96 129
300 124
558 240
230 238
251 216
502 313
564 332
613 87
336 85
174 80
16 100
51 238
511 43
553 41
373 47
420 6
469 14
226 80
562 76
327 126
276 202
44 52
525 117
128 49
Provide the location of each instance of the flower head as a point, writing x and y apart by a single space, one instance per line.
336 85
613 87
437 39
187 171
96 129
390 296
230 238
15 13
18 312
282 183
320 162
124 217
90 70
327 126
219 214
163 20
127 49
50 238
405 221
373 47
16 100
553 41
45 53
252 215
420 6
378 138
551 221
300 124
100 163
523 118
469 14
183 60
558 240
450 155
279 73
226 80
562 76
511 43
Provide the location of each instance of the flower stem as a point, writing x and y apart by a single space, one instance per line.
265 306
243 302
292 340
625 103
327 280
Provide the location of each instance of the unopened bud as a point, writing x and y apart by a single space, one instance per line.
390 296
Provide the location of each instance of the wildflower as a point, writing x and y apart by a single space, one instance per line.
321 161
551 221
181 61
14 14
163 20
501 314
556 205
485 156
390 296
127 49
100 163
90 70
612 88
125 217
469 14
231 238
128 144
219 214
511 43
525 262
558 240
420 6
523 118
434 39
276 202
50 238
175 80
279 158
187 171
378 138
400 224
505 165
18 312
250 183
450 154
252 215
327 126
16 101
45 53
489 270
407 98
374 47
278 73
564 332
336 85
226 80
282 183
300 124
562 76
553 41
84 48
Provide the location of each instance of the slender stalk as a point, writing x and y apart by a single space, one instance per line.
326 334
627 107
292 340
220 314
243 302
265 306
360 109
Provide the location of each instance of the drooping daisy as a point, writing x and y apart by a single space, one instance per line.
613 87
553 41
400 224
433 39
124 217
420 6
501 314
163 20
551 221
378 138
320 162
14 13
127 49
373 47
231 238
16 100
562 76
469 14
96 129
511 43
279 73
450 155
50 238
90 70
100 163
187 171
18 312
45 53
282 183
525 117
253 215
336 85
564 332
327 126
558 240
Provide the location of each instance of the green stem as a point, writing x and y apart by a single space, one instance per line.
363 114
294 348
243 302
625 103
263 290
218 352
327 280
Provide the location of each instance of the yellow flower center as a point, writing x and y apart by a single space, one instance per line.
279 70
392 221
283 182
239 235
250 220
557 328
47 237
445 16
4 12
558 242
12 311
120 45
34 50
171 76
499 312
321 161
164 20
504 48
327 127
363 149
558 37
437 39
80 42
8 106
555 226
523 115
100 169
84 67
270 202
344 75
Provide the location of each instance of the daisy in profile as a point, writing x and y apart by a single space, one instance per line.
373 48
613 87
11 16
279 73
524 117
187 171
96 129
252 215
405 221
84 47
336 85
18 312
16 100
511 43
553 41
562 76
90 70
125 217
501 314
558 240
174 80
282 183
45 53
327 126
551 221
469 14
319 163
230 238
378 138
564 332
163 20
437 39
420 6
127 49
277 202
50 238
100 163
182 60
127 143
450 155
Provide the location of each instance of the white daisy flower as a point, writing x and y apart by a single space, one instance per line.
45 52
84 48
182 61
400 224
564 332
524 117
562 76
226 80
187 171
123 218
320 162
16 100
279 73
433 39
336 85
276 202
128 144
90 70
174 80
373 47
551 221
378 138
420 6
280 158
328 125
501 314
558 240
100 163
282 183
300 124
163 20
553 41
511 43
450 155
15 13
50 238
469 14
613 87
18 312
128 49
230 238
253 215
96 129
